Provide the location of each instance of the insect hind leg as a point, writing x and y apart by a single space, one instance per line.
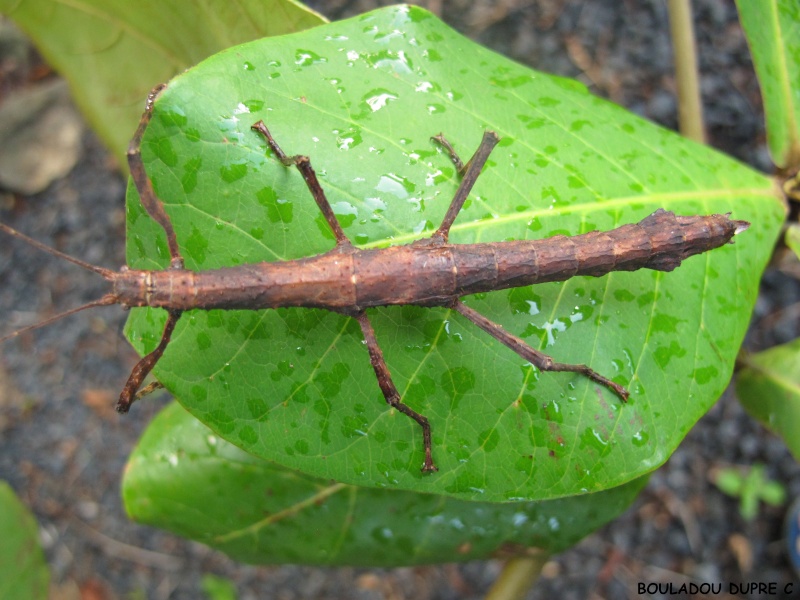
536 358
303 164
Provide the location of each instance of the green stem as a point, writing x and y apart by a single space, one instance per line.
517 577
690 112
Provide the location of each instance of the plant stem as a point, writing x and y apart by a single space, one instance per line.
517 577
690 111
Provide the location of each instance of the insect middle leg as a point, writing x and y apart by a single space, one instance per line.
390 391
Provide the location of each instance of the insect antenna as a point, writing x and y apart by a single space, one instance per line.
106 300
107 274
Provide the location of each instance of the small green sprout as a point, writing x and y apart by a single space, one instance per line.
750 485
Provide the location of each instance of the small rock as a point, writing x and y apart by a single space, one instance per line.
40 137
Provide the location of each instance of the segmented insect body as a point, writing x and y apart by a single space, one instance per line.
429 272
350 279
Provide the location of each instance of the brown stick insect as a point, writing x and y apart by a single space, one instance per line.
429 272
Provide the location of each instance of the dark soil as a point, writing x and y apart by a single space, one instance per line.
63 449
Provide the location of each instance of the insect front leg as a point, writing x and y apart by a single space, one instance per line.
146 364
538 359
470 174
150 201
303 164
390 391
155 208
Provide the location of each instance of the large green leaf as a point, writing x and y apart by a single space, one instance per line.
769 388
361 98
773 33
114 51
184 478
23 570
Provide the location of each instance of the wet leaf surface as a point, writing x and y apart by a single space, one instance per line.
361 98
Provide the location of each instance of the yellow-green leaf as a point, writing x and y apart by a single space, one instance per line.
113 52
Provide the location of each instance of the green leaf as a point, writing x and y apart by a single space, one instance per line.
361 98
184 478
23 570
113 52
769 388
772 28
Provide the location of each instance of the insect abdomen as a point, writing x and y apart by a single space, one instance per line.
660 241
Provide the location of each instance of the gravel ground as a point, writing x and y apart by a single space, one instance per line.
63 448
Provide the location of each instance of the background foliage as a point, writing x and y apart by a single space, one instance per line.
556 323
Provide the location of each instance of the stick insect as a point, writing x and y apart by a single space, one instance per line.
429 272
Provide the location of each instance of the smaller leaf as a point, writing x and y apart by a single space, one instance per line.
184 478
773 33
773 493
218 588
729 481
769 389
23 570
792 238
748 506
